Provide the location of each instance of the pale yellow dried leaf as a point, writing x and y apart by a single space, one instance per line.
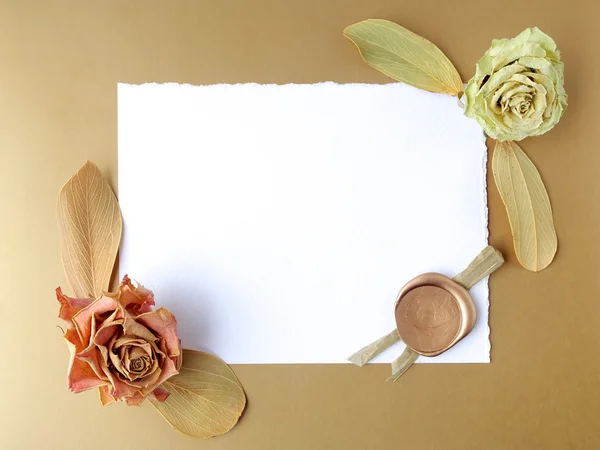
90 226
206 397
404 56
527 205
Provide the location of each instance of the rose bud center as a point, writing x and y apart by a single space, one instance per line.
134 358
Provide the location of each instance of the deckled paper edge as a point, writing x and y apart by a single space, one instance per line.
253 83
485 243
486 221
486 240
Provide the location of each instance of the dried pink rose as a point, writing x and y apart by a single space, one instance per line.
120 345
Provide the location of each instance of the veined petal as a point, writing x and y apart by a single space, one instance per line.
70 306
164 324
136 300
106 397
82 377
160 394
83 319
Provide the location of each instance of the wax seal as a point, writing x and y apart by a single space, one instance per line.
433 313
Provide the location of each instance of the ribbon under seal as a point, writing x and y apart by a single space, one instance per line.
433 313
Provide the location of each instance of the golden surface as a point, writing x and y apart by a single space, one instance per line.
61 61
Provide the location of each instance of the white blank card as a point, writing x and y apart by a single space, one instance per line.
278 223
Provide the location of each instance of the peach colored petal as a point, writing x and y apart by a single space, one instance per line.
160 394
131 327
123 390
168 370
149 367
135 400
179 358
93 358
83 319
81 377
125 341
89 342
108 328
72 337
104 352
120 389
116 362
148 383
106 397
164 324
161 347
135 300
70 306
117 316
106 333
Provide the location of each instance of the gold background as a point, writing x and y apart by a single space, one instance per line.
60 62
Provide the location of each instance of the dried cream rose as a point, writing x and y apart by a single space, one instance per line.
517 90
120 345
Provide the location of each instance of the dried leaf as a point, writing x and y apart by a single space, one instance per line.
90 225
206 397
404 56
527 205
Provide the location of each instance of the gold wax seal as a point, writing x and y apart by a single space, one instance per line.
433 313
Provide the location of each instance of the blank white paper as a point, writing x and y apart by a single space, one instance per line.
278 223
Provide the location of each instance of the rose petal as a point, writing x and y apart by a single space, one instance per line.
135 300
514 52
81 376
106 328
160 394
83 319
120 389
89 344
164 324
179 359
116 361
498 78
135 329
104 352
168 370
93 358
106 398
127 341
148 383
70 306
107 333
135 400
137 351
72 337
